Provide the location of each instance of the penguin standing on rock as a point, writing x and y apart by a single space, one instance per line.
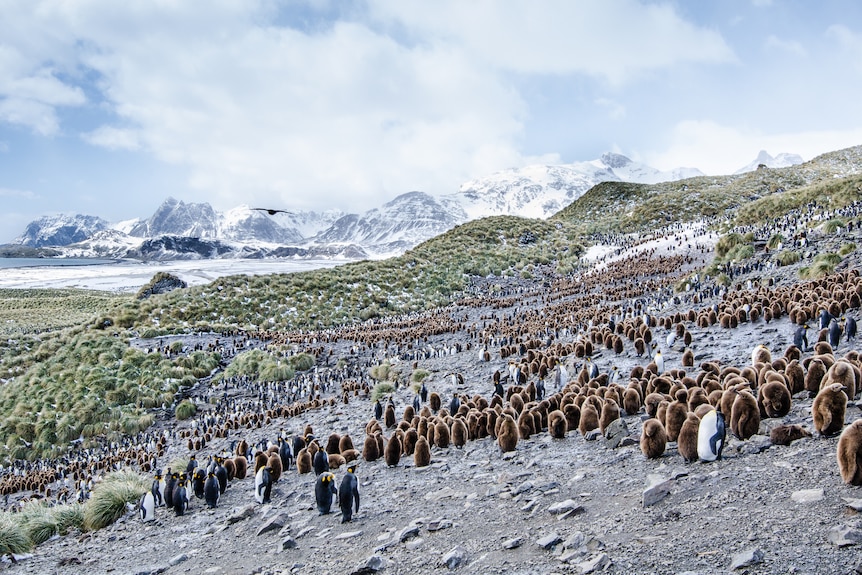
156 489
711 435
199 482
284 454
378 410
834 333
263 485
212 491
180 496
423 394
348 495
800 337
324 489
850 328
320 463
147 507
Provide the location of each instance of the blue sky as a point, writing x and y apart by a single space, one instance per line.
107 108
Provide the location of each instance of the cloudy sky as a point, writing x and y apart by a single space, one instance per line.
107 108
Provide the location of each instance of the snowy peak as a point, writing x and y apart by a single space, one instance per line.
783 160
60 230
540 191
175 217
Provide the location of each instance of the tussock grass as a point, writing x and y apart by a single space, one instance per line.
185 410
108 501
38 522
787 257
33 311
13 538
847 249
381 390
419 375
68 517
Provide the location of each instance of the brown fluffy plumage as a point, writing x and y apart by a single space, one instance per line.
653 438
849 453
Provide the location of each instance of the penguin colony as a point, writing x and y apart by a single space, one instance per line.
692 406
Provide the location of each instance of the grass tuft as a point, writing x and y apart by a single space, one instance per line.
109 499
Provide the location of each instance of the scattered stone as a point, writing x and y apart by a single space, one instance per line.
530 505
598 562
615 433
658 489
240 514
549 541
807 495
855 504
373 564
746 558
844 535
348 535
408 533
593 435
177 559
305 531
575 540
455 557
564 507
276 522
628 441
513 543
439 525
523 488
288 543
414 544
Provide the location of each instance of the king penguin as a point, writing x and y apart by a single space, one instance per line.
348 495
324 489
147 507
158 489
262 485
211 491
711 435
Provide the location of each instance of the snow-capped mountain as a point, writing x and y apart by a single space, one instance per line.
397 226
764 159
60 230
540 191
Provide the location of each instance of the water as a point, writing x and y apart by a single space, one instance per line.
6 263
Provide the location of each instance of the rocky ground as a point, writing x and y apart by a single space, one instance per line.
552 506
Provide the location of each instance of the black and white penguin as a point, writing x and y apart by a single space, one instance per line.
800 337
423 394
850 328
378 410
169 488
711 435
180 496
324 489
455 404
825 318
221 474
348 495
284 454
212 491
263 485
834 333
191 465
417 403
147 507
198 480
156 489
320 462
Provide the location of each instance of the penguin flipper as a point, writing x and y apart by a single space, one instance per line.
356 500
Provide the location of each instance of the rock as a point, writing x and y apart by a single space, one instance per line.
855 504
177 559
454 557
549 541
276 522
348 535
407 533
600 561
439 525
615 433
288 543
592 435
658 489
373 564
523 488
746 558
240 514
807 495
564 507
513 543
575 540
844 535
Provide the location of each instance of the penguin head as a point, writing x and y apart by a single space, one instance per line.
351 469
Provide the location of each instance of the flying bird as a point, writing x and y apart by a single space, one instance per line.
272 211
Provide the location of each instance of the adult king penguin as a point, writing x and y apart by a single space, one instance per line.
324 489
263 485
348 495
711 436
147 507
212 491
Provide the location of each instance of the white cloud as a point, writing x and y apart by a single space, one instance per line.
789 46
17 194
113 138
717 149
615 110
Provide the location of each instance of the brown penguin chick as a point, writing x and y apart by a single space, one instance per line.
507 437
392 453
517 402
241 465
303 461
274 461
842 372
459 432
631 401
703 409
849 453
260 459
441 434
333 444
652 402
760 354
815 374
676 414
688 358
241 448
434 402
610 412
589 418
744 415
350 455
786 434
573 416
525 425
773 399
409 444
389 416
230 467
697 396
345 443
795 376
308 430
557 425
422 453
336 460
686 442
828 409
370 449
653 438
